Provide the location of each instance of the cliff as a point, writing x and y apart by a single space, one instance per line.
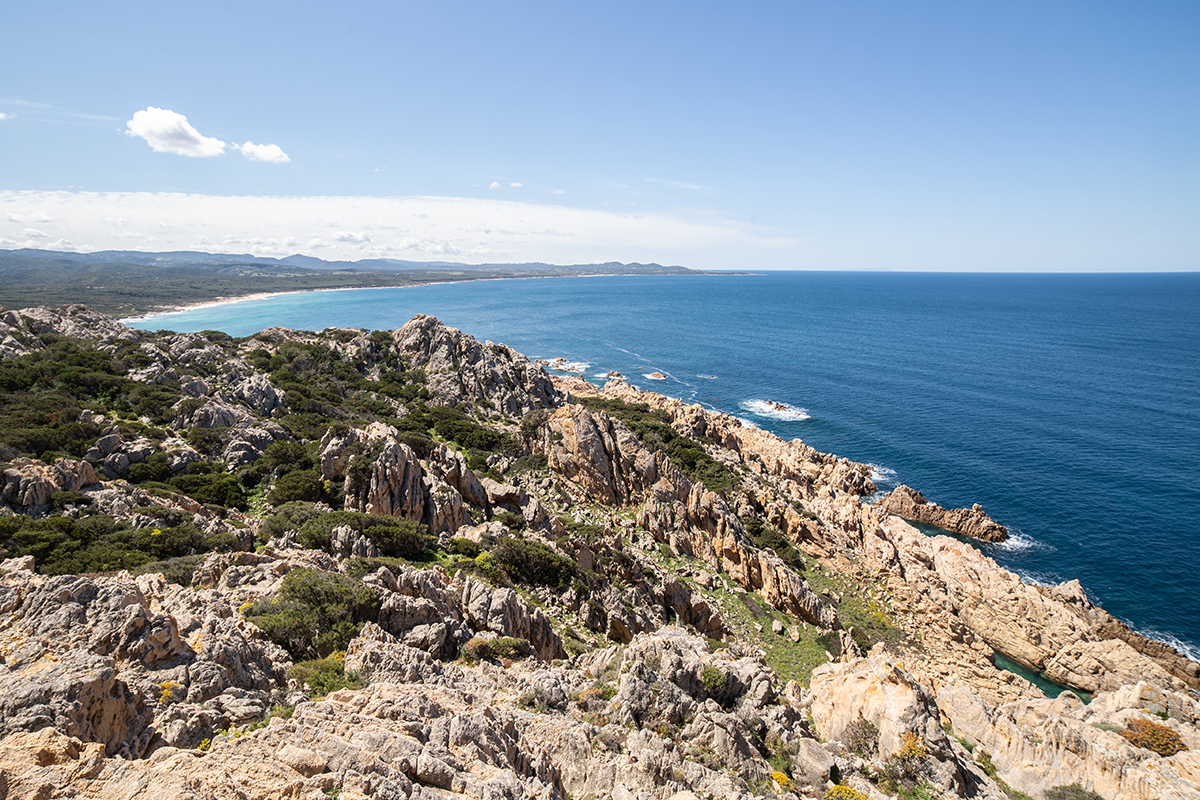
407 564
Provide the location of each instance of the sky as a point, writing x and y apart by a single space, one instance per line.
946 136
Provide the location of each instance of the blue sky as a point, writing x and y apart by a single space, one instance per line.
790 135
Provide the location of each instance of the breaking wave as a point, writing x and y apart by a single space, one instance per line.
772 410
881 474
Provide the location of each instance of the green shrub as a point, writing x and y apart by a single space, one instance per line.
218 489
511 647
460 546
1153 736
480 649
862 738
1071 792
533 563
314 613
394 537
300 485
713 680
324 675
767 537
511 520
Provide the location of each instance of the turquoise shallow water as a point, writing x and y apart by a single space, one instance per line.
1068 405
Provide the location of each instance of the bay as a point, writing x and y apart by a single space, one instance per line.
1067 405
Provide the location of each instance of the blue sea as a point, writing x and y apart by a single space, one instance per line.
1067 405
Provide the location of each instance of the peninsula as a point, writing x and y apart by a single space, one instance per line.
409 564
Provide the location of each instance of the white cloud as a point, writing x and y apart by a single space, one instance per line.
271 153
60 244
557 191
33 216
34 233
495 185
169 132
462 229
7 116
516 184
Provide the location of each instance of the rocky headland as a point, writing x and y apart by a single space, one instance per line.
408 564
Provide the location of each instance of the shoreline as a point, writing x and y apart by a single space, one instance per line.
1153 631
221 301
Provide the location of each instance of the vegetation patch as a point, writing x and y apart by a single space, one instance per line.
315 613
98 543
532 563
324 675
1153 736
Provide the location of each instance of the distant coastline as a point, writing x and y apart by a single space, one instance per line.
134 284
221 301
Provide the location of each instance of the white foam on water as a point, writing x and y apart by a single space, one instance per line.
882 474
562 365
1187 648
707 377
650 376
746 423
773 410
1018 542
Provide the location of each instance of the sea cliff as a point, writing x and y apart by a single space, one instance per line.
408 564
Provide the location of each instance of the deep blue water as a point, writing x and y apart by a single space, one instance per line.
1068 405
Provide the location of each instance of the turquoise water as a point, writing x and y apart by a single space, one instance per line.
1068 405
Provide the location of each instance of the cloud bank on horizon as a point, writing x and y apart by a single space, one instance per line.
167 131
355 228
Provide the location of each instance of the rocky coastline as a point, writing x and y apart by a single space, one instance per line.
547 589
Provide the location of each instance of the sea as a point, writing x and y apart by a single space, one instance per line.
1068 405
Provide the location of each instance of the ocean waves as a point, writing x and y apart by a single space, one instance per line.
771 409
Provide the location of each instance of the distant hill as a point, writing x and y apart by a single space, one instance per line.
128 282
196 258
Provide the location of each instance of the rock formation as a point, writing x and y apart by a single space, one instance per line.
588 618
911 504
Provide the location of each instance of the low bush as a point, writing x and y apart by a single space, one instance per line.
324 675
480 649
314 613
399 538
713 680
1071 792
533 563
302 485
99 543
460 546
1152 736
767 537
861 738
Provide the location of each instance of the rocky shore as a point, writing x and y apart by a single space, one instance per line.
408 564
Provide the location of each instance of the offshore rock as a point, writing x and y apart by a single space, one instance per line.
911 504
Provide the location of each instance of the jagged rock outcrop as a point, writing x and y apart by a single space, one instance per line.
102 658
911 504
600 454
382 475
459 368
19 329
1037 744
27 485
